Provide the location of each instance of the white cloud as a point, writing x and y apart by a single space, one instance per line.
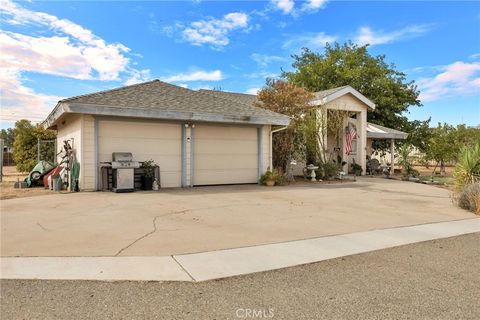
456 79
20 102
366 35
314 4
264 60
137 76
78 53
286 6
70 51
309 40
199 75
253 90
215 32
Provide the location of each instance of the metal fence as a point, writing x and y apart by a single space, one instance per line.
46 150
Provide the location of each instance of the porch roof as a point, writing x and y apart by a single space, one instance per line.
375 131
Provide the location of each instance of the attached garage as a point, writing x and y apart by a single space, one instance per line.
196 138
225 155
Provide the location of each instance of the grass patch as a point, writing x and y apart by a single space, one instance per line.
448 180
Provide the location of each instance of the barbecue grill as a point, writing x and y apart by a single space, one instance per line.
123 171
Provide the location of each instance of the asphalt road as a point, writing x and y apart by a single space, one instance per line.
431 280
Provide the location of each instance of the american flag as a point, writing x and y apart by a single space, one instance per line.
350 135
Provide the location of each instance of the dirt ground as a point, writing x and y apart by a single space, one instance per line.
10 176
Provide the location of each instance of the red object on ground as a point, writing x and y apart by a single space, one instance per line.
54 173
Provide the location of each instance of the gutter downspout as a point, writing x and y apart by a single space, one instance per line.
271 146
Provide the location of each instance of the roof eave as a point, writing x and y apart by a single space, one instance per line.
387 135
341 92
116 111
56 113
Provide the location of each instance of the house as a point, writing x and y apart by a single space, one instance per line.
195 137
343 98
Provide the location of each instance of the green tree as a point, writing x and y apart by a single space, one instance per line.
419 134
8 137
25 144
442 147
288 99
353 65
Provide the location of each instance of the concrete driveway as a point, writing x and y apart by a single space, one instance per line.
211 218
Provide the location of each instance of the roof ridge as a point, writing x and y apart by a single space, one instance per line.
125 87
229 92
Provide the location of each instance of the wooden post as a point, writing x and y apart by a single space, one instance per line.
38 149
1 161
392 156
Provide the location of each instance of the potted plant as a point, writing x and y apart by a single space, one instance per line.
357 169
148 173
269 178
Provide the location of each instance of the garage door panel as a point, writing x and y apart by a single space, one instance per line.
143 146
140 130
209 177
226 133
225 155
225 147
158 141
226 162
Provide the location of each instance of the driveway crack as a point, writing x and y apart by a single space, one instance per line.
154 222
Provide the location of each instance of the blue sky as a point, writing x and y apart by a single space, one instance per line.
51 50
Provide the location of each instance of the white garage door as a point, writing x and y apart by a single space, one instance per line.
225 155
146 140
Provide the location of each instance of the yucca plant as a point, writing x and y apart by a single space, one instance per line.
467 169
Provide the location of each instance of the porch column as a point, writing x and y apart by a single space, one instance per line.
362 140
392 156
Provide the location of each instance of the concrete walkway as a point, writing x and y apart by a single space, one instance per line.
231 262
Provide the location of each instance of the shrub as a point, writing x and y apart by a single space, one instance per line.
328 170
406 161
269 175
356 168
467 169
469 198
148 168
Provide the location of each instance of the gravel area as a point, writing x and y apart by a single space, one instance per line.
432 280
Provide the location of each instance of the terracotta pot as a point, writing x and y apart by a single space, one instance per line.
270 183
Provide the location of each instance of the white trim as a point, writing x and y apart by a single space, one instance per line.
342 92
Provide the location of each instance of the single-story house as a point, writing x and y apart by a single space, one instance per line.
196 137
342 98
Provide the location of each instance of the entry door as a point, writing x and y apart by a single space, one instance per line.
225 155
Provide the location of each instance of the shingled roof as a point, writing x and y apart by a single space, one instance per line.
244 98
320 97
161 100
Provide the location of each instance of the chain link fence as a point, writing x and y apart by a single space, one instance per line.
46 150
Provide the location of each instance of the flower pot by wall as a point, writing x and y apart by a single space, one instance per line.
147 183
270 183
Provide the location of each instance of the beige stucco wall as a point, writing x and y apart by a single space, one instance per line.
88 165
266 147
81 129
